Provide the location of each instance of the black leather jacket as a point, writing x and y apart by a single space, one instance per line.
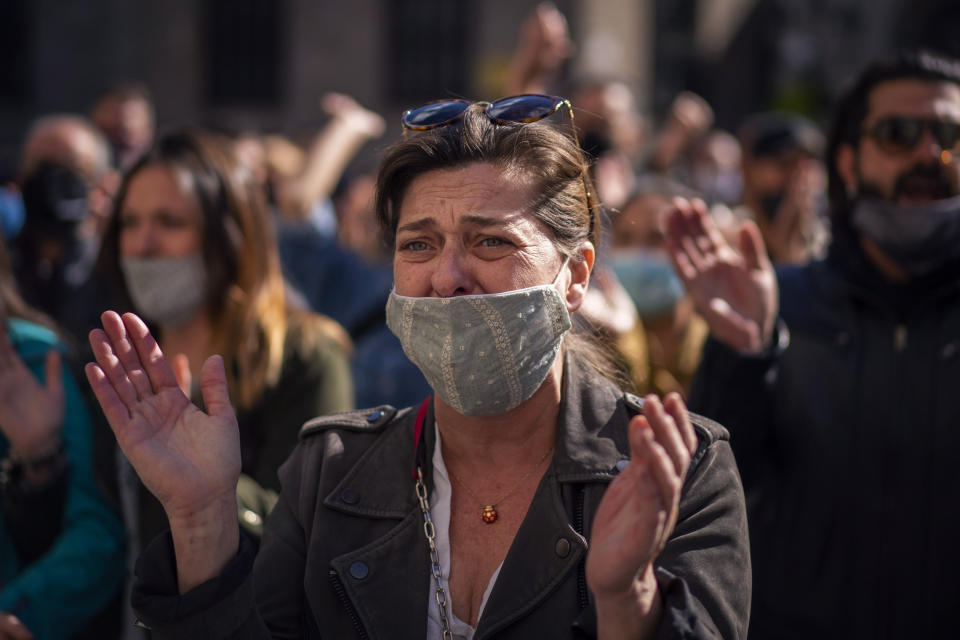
344 554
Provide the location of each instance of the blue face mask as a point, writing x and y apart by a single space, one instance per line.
649 278
12 212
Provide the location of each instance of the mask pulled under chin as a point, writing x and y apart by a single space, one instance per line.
483 354
166 291
919 238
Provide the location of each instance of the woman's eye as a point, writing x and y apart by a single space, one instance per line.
171 222
415 245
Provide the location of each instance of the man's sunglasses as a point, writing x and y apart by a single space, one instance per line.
901 134
522 109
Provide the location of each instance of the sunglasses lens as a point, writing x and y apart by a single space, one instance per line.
434 114
947 134
526 108
899 134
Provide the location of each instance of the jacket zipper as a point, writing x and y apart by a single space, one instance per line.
581 567
354 618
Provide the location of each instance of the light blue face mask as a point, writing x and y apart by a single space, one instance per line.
483 354
649 278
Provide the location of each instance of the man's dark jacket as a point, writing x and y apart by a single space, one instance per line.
344 554
847 435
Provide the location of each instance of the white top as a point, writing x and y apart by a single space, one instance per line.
440 513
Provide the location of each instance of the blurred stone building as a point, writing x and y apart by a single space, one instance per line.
265 63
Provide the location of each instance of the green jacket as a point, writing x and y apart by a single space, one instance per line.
56 593
344 555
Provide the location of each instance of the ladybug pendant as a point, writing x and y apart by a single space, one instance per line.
489 514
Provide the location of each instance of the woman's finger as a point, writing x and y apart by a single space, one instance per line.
155 364
685 268
667 434
660 467
110 365
701 225
116 410
752 248
213 387
675 406
12 629
123 348
687 233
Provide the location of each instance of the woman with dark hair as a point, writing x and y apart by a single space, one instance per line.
472 514
190 248
61 547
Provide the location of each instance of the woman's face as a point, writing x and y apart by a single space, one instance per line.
466 231
159 217
640 223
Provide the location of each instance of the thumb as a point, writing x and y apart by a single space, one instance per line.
52 369
213 387
752 248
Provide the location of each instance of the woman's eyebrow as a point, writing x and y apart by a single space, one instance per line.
417 225
474 219
479 220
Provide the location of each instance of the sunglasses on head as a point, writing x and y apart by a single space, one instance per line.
901 134
522 109
528 107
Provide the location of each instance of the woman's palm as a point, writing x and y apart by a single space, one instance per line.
187 458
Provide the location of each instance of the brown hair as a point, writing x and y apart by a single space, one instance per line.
552 159
245 291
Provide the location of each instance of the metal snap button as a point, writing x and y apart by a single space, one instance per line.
359 570
562 547
349 496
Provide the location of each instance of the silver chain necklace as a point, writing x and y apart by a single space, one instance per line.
430 531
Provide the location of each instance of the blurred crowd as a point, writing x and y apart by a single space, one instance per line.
266 250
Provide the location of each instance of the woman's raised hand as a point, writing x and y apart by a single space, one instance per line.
190 460
735 292
636 517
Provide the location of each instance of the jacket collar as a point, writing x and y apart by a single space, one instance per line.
591 440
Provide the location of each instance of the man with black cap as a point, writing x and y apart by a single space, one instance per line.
842 391
783 184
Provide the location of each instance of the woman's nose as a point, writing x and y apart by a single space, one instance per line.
143 243
451 277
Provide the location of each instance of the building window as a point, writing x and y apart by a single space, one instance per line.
428 49
15 84
244 52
